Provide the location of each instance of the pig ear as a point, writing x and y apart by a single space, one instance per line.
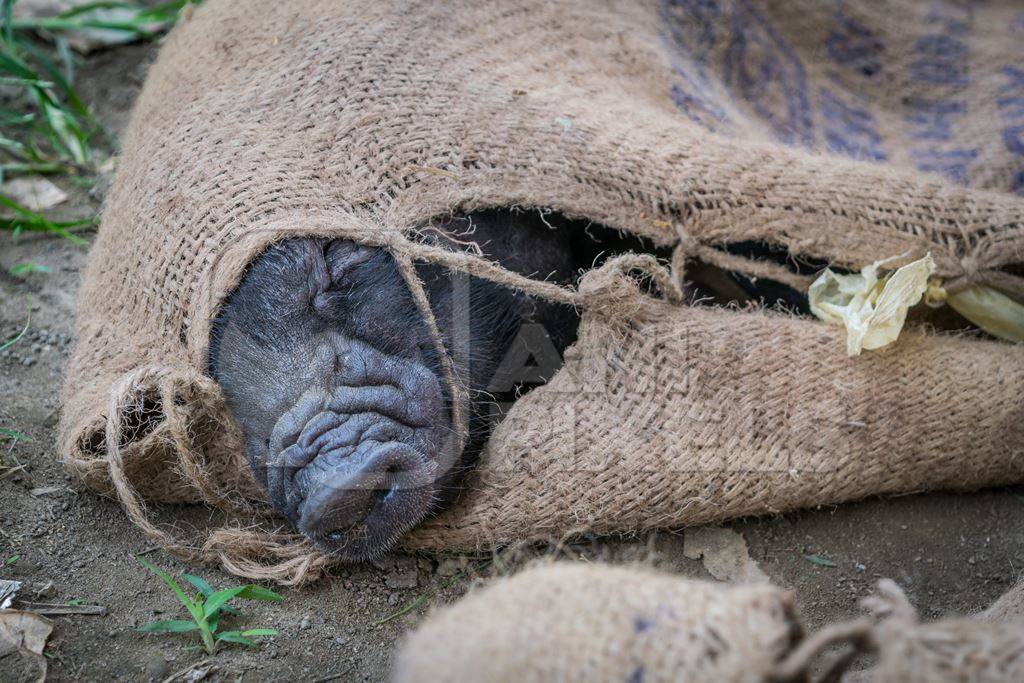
342 256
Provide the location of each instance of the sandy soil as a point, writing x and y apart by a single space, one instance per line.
952 553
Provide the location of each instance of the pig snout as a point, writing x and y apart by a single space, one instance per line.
353 463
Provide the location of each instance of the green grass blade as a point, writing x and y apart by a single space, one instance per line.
207 590
235 637
54 74
64 127
92 6
168 626
6 13
58 24
67 60
13 435
217 600
28 321
191 606
17 80
254 592
9 117
819 560
201 585
30 220
21 269
260 632
31 168
12 64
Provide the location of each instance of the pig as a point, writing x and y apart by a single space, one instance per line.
330 369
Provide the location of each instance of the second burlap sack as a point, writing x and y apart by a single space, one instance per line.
602 623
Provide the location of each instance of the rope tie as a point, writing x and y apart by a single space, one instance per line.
750 267
121 404
889 609
1007 283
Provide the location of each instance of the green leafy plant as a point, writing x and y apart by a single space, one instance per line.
12 560
58 125
26 268
820 561
49 129
13 435
23 220
28 321
206 608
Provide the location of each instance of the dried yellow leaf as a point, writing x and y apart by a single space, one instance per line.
872 309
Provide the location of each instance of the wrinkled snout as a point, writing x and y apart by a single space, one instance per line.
354 462
367 492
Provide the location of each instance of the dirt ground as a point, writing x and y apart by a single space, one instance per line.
950 552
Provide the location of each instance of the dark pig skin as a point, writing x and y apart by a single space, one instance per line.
332 373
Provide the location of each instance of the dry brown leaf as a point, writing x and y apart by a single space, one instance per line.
24 632
724 553
34 193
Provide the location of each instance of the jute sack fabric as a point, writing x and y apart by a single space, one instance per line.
849 135
592 623
1009 607
601 623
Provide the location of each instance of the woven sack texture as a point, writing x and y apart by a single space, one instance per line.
604 623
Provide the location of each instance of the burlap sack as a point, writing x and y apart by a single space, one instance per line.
600 623
1009 606
813 127
572 622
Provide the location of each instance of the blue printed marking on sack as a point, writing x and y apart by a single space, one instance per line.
691 28
951 163
941 59
693 24
765 73
852 44
849 129
758 67
933 119
1010 104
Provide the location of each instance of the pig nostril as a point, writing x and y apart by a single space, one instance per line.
361 491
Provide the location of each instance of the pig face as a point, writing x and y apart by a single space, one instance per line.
335 379
327 365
